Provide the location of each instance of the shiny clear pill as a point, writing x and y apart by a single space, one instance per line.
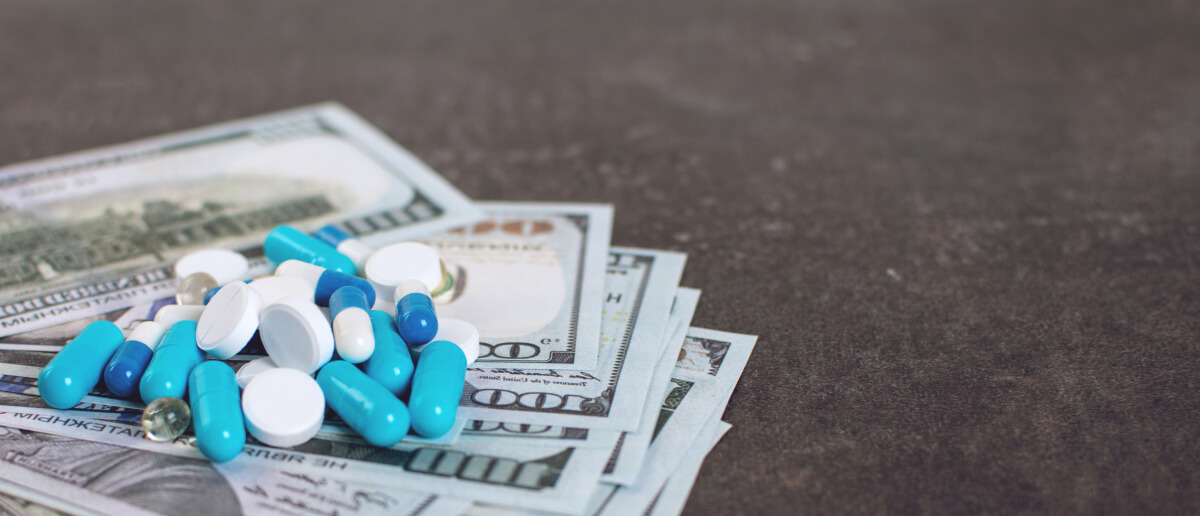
222 264
324 281
283 407
286 243
165 419
363 404
216 411
345 243
229 320
352 334
168 315
415 317
194 289
252 368
462 333
125 369
391 364
437 387
77 367
173 361
296 335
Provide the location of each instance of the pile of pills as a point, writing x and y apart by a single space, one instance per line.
360 346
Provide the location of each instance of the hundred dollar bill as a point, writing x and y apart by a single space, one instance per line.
530 277
85 476
674 495
85 233
639 288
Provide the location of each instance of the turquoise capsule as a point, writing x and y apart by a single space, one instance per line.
77 367
217 411
173 361
437 387
287 243
365 405
391 364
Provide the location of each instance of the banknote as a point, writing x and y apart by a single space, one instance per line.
85 233
639 289
530 277
18 501
674 495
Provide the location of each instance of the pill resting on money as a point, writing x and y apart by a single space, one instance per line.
462 333
125 369
287 243
251 369
168 315
345 243
222 264
229 320
283 407
216 411
394 263
173 361
165 419
363 404
437 386
415 317
391 364
296 335
194 289
77 367
274 288
324 281
352 334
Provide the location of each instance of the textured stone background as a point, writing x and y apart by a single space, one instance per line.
967 232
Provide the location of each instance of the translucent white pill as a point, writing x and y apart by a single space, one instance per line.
283 407
222 264
462 333
229 320
296 334
251 369
194 288
168 315
394 263
274 288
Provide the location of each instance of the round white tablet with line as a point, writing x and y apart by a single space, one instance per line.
296 334
283 407
222 264
229 320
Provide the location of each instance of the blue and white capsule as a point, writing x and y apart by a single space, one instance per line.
325 281
345 243
77 367
391 364
365 405
216 405
415 317
287 243
352 334
173 361
437 387
125 369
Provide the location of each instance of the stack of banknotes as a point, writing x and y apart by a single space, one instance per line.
593 393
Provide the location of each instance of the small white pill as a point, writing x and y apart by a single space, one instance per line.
222 264
251 369
229 321
168 315
394 263
283 407
274 288
296 334
462 333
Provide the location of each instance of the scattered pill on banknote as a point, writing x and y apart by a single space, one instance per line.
283 407
274 288
77 368
216 411
251 369
462 333
394 263
296 334
165 419
194 289
168 315
176 356
352 334
287 243
229 320
125 369
437 386
363 403
324 281
222 264
415 316
345 243
391 364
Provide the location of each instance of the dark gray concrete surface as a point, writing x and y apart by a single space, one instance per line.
968 233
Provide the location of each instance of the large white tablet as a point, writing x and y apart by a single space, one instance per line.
222 264
275 288
296 334
283 407
394 263
462 333
229 320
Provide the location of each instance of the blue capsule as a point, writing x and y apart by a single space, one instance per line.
287 243
77 367
345 243
365 405
125 369
415 317
217 411
391 364
173 361
437 387
325 281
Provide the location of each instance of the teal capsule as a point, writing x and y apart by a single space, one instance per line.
365 405
437 387
77 367
287 243
217 411
173 361
391 364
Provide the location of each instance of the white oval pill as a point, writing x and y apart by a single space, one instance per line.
283 407
462 333
251 369
171 314
229 320
353 336
394 263
275 288
296 334
222 264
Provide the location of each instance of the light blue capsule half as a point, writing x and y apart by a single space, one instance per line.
365 405
173 361
287 243
77 367
332 235
217 411
437 387
391 364
347 297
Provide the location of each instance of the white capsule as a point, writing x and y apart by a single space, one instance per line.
222 264
168 315
148 333
352 332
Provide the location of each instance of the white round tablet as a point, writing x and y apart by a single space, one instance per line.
296 334
222 264
283 407
229 320
251 369
461 333
168 315
394 263
274 288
